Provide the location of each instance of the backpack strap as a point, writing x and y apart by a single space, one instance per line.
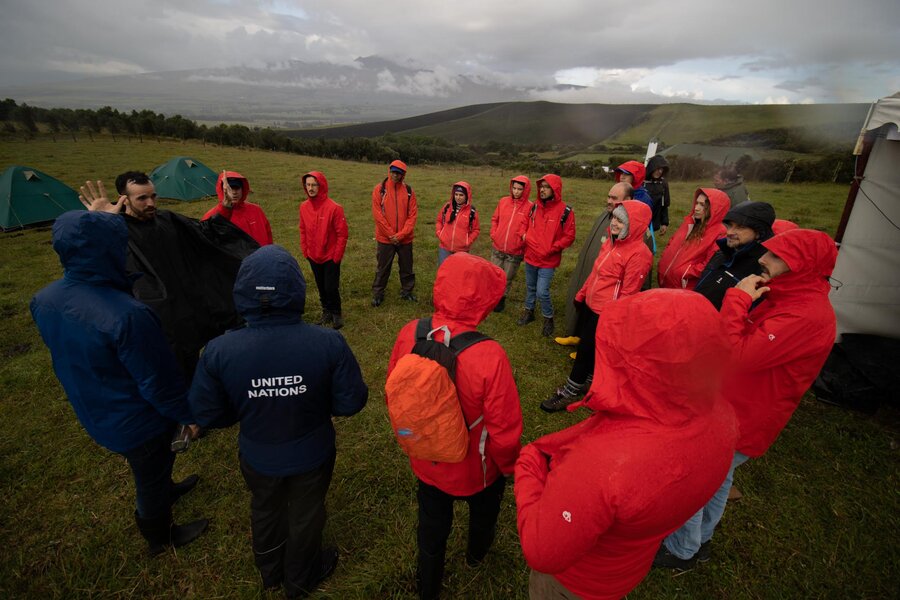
458 344
471 216
565 216
384 191
423 328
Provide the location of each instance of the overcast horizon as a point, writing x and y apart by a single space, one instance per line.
759 52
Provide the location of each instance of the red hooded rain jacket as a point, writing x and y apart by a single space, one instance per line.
459 235
247 216
466 289
510 220
595 500
394 209
545 236
323 228
781 344
682 263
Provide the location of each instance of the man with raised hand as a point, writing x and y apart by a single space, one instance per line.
781 327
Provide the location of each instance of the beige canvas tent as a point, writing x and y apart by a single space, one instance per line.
868 266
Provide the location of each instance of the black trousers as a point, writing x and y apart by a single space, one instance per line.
328 281
435 521
384 255
287 516
587 330
151 464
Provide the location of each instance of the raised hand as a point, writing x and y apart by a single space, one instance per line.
96 199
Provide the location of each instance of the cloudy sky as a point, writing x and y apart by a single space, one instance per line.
755 51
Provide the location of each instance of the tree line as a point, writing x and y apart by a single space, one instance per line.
22 119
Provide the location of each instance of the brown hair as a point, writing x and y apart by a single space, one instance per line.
700 228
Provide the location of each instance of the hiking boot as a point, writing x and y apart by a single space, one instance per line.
183 487
547 330
500 305
377 300
409 297
560 400
327 566
161 533
325 319
337 321
526 317
705 552
734 494
572 340
666 560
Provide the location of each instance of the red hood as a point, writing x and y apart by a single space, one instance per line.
639 217
719 204
555 184
636 169
660 355
782 225
810 255
466 187
233 175
466 289
323 185
400 165
526 195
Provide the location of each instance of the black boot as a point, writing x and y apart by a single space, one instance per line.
547 331
526 317
327 565
430 575
479 544
337 320
183 487
500 305
161 533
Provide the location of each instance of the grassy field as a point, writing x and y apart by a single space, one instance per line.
819 517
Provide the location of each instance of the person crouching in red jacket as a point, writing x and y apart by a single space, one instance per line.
595 500
232 188
781 327
323 239
456 225
466 289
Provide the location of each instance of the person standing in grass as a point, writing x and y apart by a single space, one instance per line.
508 225
323 239
394 210
466 289
112 359
731 182
618 271
694 244
595 500
283 380
232 188
781 327
618 193
549 231
457 226
658 188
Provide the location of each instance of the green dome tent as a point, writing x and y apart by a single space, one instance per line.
184 178
28 196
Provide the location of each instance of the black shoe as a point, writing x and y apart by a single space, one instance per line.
705 552
500 305
526 317
377 300
328 564
560 400
161 533
187 533
409 297
337 321
183 487
548 328
666 560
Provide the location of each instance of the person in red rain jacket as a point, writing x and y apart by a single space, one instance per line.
694 243
782 225
619 271
232 190
508 225
466 288
323 239
395 210
550 230
781 327
456 224
595 499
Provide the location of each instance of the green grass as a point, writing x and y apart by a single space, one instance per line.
819 517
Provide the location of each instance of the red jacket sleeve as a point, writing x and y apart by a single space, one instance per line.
502 415
406 233
302 227
696 267
268 226
495 221
561 512
636 269
339 223
568 234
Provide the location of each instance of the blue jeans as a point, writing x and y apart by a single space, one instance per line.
442 255
537 283
685 541
151 464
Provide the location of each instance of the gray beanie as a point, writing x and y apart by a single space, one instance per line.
621 214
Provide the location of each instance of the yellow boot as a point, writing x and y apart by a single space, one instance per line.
568 341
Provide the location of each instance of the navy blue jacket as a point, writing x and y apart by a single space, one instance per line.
283 379
109 351
726 268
